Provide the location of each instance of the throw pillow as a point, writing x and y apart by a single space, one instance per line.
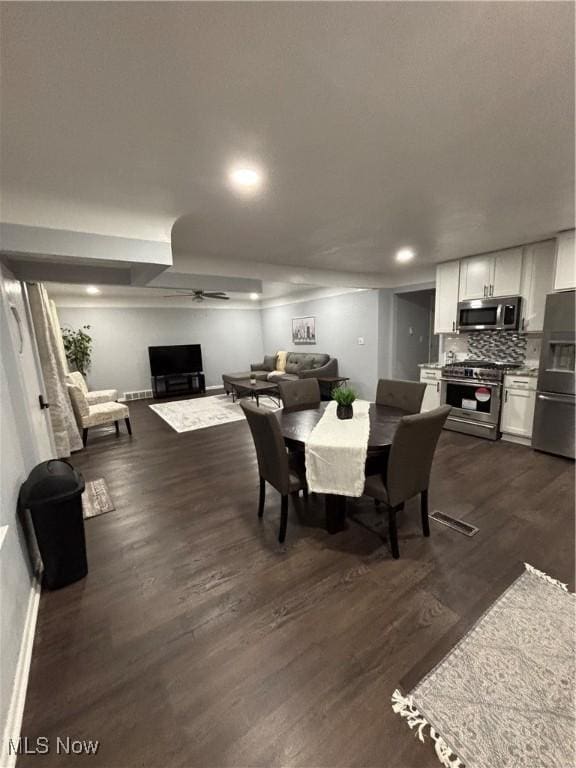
269 362
293 366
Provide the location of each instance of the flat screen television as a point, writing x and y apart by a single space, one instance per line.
183 358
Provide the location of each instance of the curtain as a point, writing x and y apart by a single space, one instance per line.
54 369
58 334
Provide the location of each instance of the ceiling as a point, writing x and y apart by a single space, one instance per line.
73 294
446 127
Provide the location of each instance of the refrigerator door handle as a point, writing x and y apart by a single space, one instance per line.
556 398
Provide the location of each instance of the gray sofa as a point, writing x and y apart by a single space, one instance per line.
299 365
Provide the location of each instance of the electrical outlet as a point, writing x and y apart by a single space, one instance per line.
361 340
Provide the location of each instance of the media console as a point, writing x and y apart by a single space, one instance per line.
179 384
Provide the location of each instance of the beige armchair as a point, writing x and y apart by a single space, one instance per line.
96 415
98 396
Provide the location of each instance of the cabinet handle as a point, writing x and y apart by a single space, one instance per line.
506 396
485 291
492 290
437 386
523 323
453 325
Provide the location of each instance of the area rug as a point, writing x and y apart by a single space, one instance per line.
203 412
504 696
96 499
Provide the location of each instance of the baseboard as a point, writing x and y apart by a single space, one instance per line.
215 386
13 724
527 441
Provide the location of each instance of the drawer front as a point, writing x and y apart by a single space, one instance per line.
430 374
520 382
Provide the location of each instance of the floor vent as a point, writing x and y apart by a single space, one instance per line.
142 394
454 523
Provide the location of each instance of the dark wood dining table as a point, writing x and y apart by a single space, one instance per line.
297 426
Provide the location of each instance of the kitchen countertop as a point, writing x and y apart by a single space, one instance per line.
524 371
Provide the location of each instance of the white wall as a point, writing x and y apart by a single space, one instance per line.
18 597
340 321
231 339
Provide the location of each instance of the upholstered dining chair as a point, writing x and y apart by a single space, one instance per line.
97 415
396 393
275 465
407 472
299 395
97 395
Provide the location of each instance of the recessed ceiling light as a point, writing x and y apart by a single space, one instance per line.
91 289
245 178
254 296
405 254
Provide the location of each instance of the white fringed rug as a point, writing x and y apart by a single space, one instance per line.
202 412
504 696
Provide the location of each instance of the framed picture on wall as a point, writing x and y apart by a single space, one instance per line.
304 330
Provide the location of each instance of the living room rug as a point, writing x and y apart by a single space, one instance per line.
96 499
504 695
203 412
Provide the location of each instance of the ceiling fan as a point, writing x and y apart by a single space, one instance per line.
199 295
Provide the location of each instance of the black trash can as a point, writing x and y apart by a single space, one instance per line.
53 494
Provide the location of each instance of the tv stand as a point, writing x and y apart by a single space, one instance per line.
179 384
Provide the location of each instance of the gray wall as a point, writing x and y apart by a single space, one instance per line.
231 339
340 320
412 325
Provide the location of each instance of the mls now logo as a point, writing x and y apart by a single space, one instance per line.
42 746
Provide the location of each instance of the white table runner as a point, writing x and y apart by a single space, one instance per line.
336 452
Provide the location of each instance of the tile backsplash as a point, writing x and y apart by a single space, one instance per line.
508 346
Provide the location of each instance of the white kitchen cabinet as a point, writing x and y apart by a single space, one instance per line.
518 408
506 273
565 273
430 377
475 277
446 306
492 274
537 282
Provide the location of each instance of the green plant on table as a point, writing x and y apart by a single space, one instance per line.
344 395
78 348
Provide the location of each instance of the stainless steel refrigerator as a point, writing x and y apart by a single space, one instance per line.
555 399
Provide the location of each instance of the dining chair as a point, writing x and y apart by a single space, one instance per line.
299 395
275 465
396 393
407 472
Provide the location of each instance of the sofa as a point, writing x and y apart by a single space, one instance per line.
286 366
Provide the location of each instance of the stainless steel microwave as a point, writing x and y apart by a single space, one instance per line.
501 314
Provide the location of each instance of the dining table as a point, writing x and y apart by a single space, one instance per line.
296 427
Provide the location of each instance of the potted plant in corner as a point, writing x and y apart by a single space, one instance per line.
78 348
344 396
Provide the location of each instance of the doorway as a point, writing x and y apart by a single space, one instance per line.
414 338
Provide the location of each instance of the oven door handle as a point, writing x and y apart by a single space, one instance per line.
472 382
473 423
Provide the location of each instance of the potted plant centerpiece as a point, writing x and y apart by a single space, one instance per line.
344 396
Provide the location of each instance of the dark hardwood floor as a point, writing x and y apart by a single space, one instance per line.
196 640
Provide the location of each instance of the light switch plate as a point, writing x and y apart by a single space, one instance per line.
360 340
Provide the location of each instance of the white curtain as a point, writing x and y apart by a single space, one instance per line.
58 334
54 368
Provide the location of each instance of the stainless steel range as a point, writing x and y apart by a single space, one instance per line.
474 390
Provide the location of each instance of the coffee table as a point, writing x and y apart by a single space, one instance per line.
247 388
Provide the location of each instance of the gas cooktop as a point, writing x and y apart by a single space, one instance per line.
489 370
499 365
